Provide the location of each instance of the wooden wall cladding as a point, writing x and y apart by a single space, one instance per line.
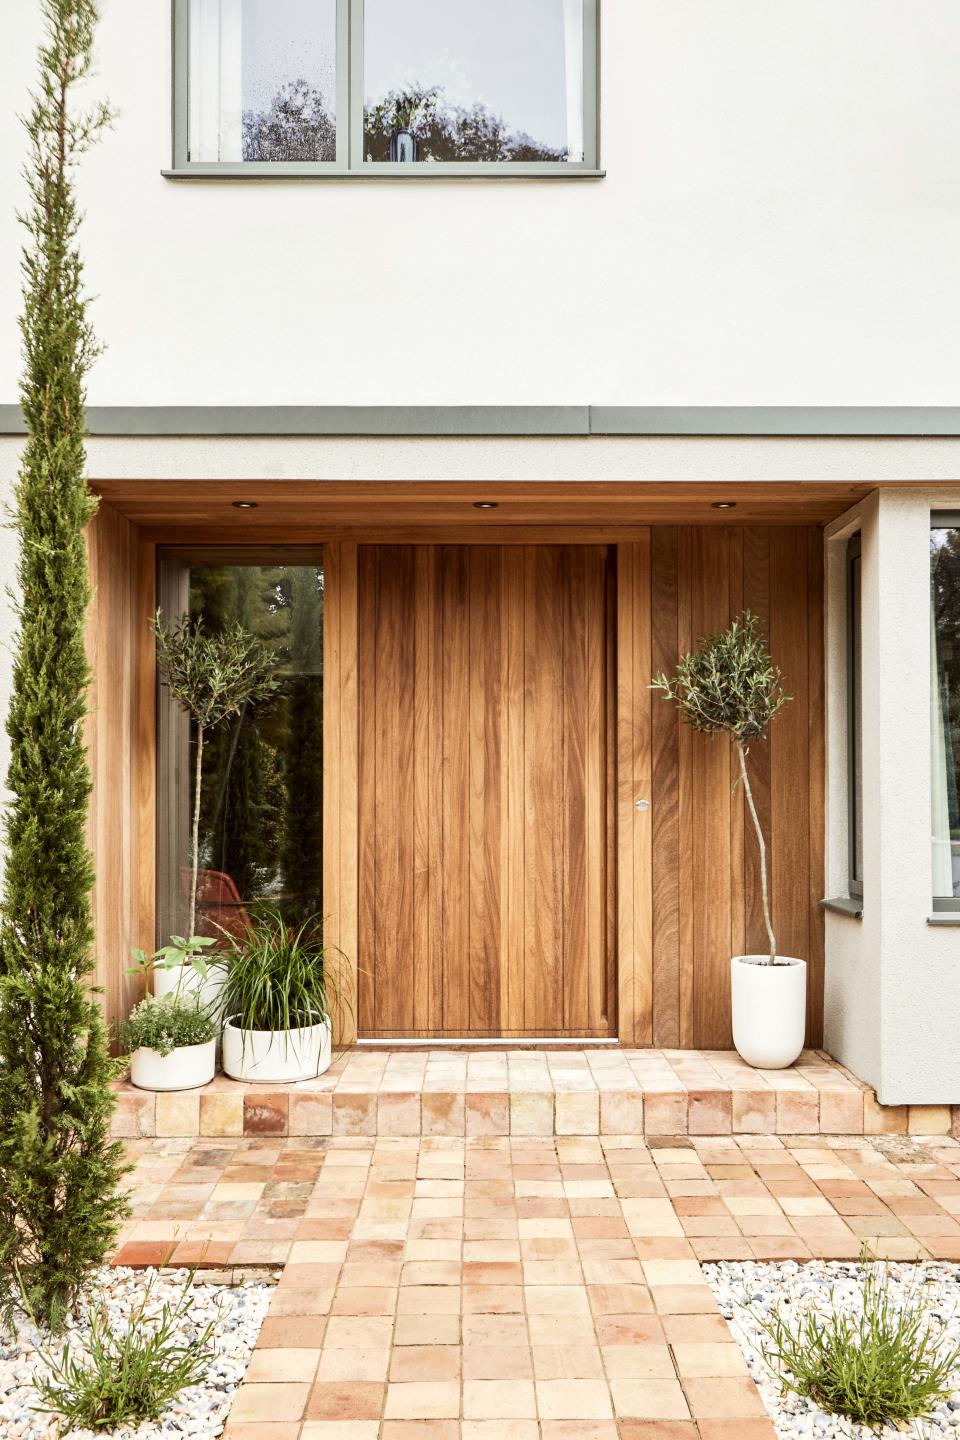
705 873
121 740
484 775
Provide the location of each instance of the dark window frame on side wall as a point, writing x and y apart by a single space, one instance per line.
349 120
854 721
945 905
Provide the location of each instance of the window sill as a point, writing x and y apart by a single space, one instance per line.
944 917
430 173
849 905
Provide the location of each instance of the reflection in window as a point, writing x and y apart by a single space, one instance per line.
261 816
945 710
453 80
263 80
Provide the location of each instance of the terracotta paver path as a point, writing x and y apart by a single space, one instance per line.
520 1288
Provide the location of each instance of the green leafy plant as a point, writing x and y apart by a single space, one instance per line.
882 1364
59 1170
729 686
163 1023
213 677
126 1375
277 978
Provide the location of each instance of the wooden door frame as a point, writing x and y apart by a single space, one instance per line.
632 861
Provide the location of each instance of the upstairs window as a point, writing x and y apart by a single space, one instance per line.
385 87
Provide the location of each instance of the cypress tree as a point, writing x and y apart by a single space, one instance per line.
59 1170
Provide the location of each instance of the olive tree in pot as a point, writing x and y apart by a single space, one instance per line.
729 686
277 1001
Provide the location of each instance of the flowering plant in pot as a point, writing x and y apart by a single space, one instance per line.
277 1000
729 686
171 1038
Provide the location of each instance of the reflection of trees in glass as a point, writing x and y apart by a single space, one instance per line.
298 126
262 799
945 571
445 131
303 835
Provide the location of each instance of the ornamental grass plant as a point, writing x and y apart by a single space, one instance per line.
883 1362
277 976
127 1373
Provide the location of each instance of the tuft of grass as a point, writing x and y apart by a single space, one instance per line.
125 1377
883 1364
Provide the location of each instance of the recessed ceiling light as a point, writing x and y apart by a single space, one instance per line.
723 505
485 504
244 504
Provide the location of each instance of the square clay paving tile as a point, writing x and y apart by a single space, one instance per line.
353 1365
423 1400
282 1366
336 1430
269 1402
499 1400
574 1400
357 1400
567 1362
723 1398
639 1362
425 1363
654 1399
709 1361
497 1362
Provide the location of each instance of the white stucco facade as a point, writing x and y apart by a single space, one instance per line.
778 224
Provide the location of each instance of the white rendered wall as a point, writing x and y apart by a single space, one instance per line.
892 999
779 223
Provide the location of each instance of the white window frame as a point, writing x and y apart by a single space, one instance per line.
349 164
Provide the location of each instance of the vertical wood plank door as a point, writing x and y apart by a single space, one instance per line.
485 869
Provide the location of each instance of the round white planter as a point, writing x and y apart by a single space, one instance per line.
276 1057
183 1069
769 1009
190 983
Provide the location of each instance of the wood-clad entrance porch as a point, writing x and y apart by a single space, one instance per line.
519 838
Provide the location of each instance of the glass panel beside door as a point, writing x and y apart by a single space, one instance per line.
945 711
261 783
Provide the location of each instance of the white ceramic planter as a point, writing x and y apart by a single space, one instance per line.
165 982
185 1068
769 1009
276 1057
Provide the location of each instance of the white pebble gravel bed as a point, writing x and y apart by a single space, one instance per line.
747 1292
199 1411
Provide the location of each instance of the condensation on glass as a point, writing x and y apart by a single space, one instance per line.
457 81
263 81
945 709
261 795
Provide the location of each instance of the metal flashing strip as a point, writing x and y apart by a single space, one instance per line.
505 421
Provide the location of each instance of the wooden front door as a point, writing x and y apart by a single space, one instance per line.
486 898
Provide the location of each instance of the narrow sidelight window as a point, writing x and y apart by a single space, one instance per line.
854 720
263 81
945 709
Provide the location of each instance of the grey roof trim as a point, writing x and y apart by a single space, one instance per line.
512 420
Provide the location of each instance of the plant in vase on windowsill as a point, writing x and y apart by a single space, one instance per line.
277 1001
729 686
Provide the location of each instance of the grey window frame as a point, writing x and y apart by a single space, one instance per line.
349 164
944 520
854 712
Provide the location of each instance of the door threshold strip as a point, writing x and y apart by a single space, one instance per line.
427 1042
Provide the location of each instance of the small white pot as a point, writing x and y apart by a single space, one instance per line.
190 983
276 1057
769 1009
185 1068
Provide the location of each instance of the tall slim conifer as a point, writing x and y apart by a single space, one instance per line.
59 1170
